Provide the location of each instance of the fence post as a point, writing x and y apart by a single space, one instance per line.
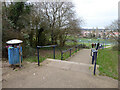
54 52
93 57
95 62
38 56
61 55
70 52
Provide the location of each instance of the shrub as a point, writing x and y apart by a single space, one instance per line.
28 51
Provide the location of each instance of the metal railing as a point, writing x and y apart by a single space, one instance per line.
70 50
94 52
38 47
77 47
94 59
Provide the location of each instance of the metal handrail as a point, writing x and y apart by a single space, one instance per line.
62 52
38 47
46 46
94 59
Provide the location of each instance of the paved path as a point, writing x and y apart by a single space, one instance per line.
74 73
83 56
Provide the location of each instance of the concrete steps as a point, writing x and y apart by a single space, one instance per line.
72 66
57 74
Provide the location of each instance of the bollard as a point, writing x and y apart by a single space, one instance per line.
38 56
53 52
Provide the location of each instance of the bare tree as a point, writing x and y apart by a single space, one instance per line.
114 28
60 17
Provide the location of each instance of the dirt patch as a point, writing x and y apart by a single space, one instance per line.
7 69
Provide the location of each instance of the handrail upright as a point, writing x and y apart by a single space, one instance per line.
38 47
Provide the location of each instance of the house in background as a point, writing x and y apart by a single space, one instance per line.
97 33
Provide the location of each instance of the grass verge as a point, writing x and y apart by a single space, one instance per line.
108 62
34 59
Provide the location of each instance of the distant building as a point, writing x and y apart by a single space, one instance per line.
98 32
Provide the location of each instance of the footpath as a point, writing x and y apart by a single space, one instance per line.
76 72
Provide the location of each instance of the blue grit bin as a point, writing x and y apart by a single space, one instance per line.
13 55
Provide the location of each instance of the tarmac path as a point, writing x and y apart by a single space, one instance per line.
74 73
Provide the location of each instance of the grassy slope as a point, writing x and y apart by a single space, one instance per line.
108 62
86 43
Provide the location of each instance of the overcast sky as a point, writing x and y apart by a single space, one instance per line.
97 13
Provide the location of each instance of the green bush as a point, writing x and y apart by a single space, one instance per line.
28 51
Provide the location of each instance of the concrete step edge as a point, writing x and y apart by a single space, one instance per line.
70 62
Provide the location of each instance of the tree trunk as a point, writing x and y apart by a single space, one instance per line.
52 40
31 38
